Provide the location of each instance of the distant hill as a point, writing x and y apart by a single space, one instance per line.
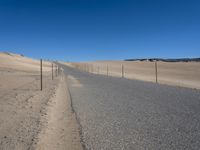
11 54
167 60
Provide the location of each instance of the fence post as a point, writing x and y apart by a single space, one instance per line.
122 71
41 74
52 71
156 71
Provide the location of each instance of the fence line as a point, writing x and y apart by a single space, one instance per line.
57 70
90 68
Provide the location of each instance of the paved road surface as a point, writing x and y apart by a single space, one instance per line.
122 114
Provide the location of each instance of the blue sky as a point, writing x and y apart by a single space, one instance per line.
82 30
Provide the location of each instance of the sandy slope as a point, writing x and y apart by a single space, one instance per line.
180 73
17 62
25 111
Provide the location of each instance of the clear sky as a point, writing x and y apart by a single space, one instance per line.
81 30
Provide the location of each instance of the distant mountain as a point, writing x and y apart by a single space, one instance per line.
167 60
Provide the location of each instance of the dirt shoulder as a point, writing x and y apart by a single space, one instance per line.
61 130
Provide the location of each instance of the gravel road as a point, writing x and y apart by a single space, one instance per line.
122 114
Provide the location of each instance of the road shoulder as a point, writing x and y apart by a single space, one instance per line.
61 130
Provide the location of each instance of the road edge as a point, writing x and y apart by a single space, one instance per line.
60 127
76 116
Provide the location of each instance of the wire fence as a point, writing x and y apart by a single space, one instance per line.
185 74
28 77
55 72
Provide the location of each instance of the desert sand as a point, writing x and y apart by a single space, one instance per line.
184 74
31 118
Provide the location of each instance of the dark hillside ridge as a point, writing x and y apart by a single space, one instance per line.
167 60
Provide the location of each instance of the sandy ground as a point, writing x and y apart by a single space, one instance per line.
61 131
27 113
186 74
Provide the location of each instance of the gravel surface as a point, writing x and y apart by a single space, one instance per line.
122 114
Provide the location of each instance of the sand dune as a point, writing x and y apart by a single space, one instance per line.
17 62
186 74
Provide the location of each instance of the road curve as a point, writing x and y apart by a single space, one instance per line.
122 114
